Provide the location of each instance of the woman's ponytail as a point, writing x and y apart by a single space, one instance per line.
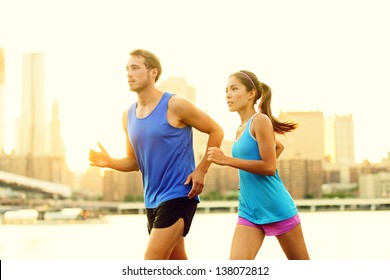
263 92
265 108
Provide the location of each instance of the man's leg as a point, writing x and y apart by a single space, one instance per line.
163 242
179 252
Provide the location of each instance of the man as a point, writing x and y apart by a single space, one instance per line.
158 131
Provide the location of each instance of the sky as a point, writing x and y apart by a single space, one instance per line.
330 56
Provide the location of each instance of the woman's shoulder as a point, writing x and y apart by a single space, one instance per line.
260 122
260 118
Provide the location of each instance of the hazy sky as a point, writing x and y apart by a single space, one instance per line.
331 56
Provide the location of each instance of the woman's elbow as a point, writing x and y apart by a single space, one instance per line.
271 170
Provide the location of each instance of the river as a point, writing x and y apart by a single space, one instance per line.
333 235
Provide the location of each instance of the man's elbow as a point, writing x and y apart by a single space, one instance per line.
219 134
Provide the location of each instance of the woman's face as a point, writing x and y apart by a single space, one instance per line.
237 97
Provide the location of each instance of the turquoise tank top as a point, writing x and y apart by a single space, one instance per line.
164 154
262 199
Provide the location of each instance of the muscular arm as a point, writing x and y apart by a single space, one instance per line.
183 112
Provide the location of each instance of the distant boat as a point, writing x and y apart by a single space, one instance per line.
65 214
20 216
28 216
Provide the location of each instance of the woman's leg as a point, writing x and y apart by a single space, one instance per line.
293 244
246 242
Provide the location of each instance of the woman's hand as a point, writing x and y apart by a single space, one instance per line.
215 155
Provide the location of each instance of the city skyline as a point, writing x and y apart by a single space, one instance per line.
178 84
312 63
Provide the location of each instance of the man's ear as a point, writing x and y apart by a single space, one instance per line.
154 72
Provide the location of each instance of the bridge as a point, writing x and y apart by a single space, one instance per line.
29 185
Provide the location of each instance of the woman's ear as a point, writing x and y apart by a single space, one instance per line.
252 94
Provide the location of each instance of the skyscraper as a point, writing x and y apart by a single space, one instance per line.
32 127
307 141
344 145
300 164
344 139
2 81
56 141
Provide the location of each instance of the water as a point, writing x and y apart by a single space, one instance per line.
355 235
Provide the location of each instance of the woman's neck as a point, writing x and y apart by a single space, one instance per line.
246 115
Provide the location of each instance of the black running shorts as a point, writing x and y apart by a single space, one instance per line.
169 212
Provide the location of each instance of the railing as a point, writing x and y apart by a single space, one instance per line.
210 206
302 204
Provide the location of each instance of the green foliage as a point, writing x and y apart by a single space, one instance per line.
338 195
133 198
216 195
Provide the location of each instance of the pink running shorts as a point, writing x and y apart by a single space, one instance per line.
273 229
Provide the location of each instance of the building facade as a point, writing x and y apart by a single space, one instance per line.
2 82
32 133
375 185
39 150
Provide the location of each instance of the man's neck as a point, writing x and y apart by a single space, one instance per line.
149 96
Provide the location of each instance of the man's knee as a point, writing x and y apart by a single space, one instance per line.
152 254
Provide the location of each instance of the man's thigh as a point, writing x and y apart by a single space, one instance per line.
163 240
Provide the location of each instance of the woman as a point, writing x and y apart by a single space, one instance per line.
265 206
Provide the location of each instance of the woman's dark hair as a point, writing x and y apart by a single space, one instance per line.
263 92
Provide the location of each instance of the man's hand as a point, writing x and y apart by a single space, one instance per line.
197 178
99 159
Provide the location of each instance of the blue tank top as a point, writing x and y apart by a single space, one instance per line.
262 199
164 154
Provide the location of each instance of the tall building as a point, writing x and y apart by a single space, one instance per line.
302 177
300 165
39 150
120 186
329 140
307 141
56 142
2 81
344 145
344 139
32 127
375 185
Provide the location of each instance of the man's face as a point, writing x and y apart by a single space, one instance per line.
138 76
